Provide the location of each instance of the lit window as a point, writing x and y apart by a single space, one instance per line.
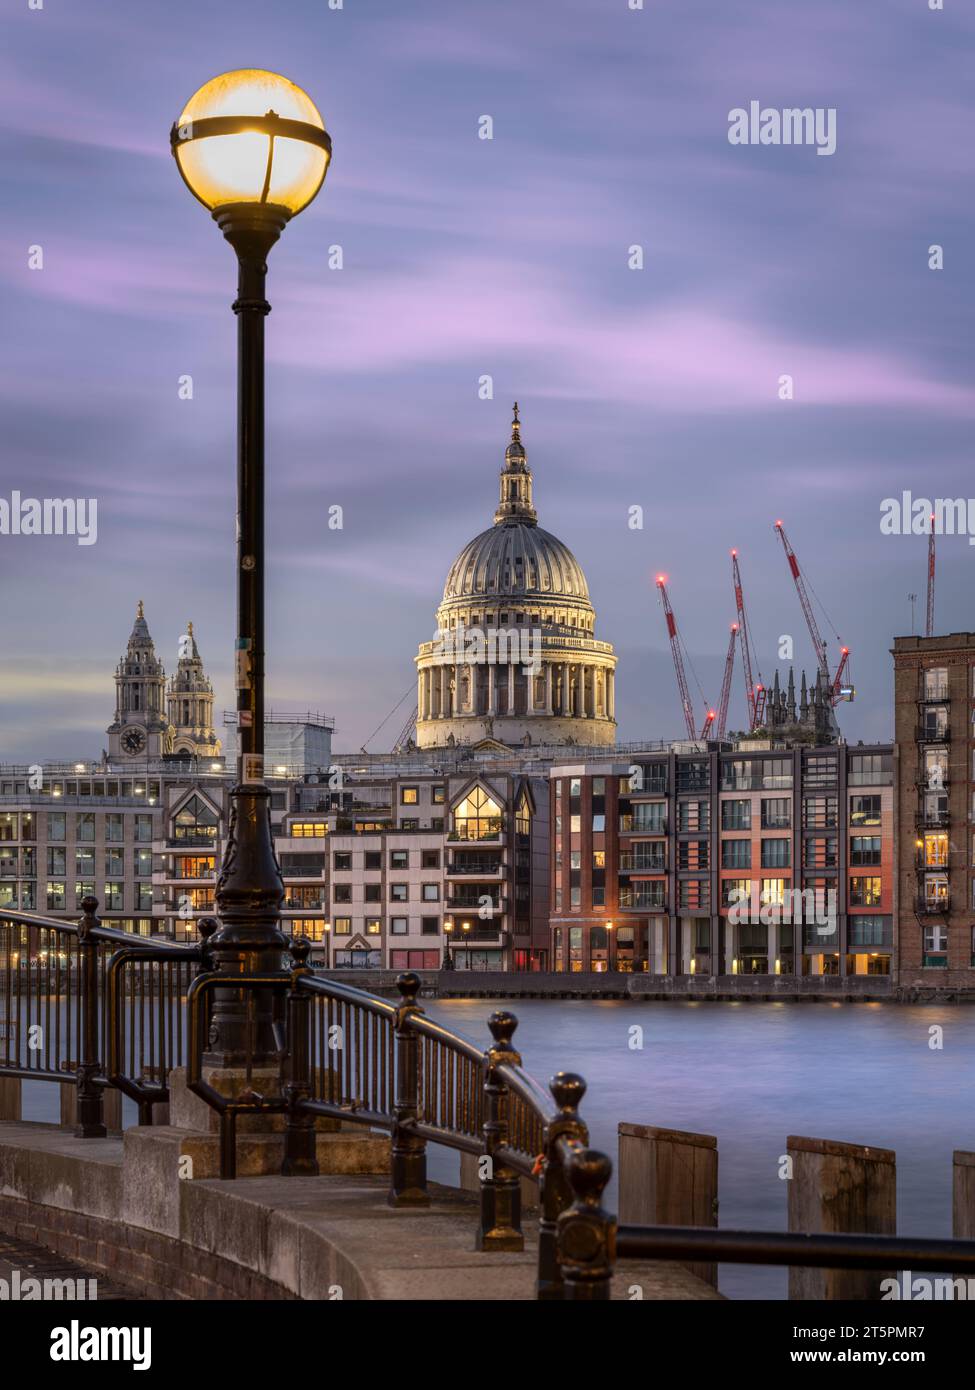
477 817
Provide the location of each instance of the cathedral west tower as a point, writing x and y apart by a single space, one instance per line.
190 703
139 729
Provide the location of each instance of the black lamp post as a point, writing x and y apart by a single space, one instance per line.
252 147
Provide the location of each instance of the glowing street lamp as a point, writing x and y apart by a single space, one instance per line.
253 149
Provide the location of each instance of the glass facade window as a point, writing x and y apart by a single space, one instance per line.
736 815
56 825
84 826
776 813
934 683
736 854
735 890
864 810
773 891
865 892
777 853
864 850
307 829
865 930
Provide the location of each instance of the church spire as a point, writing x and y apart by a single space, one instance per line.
516 481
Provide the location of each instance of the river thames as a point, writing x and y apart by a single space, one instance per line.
753 1073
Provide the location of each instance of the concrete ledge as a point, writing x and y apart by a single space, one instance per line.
125 1212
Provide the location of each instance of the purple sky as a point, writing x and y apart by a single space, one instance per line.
466 257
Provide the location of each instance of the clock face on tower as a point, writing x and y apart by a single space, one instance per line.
133 741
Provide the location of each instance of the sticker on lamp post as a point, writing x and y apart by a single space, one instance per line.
243 675
252 769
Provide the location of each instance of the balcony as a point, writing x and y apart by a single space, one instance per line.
931 820
934 695
932 733
204 876
289 905
633 900
937 865
192 842
485 868
631 862
477 936
302 870
934 906
633 825
471 902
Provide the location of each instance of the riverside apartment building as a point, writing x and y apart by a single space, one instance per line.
692 860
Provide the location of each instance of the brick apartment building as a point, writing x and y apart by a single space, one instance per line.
689 861
934 707
398 871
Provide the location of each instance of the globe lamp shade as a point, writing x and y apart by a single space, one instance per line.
251 137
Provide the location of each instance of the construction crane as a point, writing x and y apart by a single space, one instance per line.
676 653
729 667
929 627
754 692
407 732
835 682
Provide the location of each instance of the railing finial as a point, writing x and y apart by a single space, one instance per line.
568 1088
89 906
206 927
502 1025
408 985
300 949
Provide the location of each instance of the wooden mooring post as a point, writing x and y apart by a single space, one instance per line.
963 1195
10 1098
668 1177
835 1188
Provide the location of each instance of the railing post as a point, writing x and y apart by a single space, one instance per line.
90 1124
300 1157
500 1227
555 1194
587 1233
408 1159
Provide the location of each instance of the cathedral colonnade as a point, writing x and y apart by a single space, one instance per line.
580 690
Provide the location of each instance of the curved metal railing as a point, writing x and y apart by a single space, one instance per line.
58 981
89 1003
